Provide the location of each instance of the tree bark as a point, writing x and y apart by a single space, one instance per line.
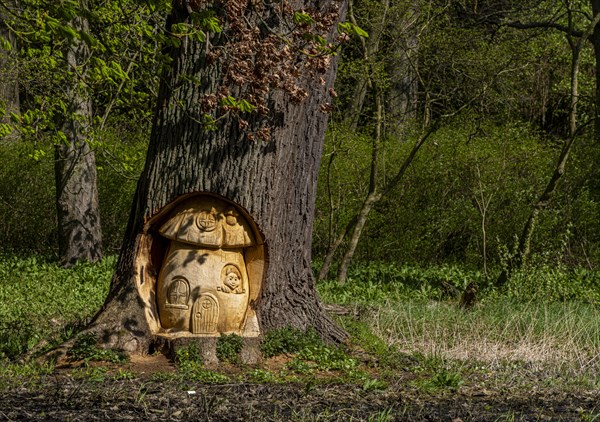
324 272
402 98
370 48
78 213
273 181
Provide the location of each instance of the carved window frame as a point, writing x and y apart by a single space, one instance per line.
175 283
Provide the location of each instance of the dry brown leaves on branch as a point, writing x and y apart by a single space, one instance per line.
265 47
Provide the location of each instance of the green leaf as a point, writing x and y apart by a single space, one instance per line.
241 105
38 154
210 124
212 25
351 29
198 35
68 32
5 129
88 39
52 23
359 31
5 44
118 70
180 29
229 101
303 18
245 106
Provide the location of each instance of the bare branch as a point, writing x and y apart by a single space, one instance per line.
554 25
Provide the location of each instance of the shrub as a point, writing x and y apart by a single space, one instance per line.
286 341
85 349
229 348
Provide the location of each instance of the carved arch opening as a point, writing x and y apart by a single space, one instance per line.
200 267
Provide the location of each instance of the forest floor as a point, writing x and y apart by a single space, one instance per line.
150 389
413 354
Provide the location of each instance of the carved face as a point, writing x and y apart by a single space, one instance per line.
231 217
232 280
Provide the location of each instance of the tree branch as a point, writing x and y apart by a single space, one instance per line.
554 25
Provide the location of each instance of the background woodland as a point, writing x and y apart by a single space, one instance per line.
463 134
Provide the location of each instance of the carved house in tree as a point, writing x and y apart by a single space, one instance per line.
207 258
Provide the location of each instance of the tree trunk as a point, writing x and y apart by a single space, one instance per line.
9 71
273 182
400 102
402 98
370 48
78 214
373 196
324 272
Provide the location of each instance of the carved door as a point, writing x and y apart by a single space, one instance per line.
205 314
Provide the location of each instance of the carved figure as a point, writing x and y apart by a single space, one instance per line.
232 281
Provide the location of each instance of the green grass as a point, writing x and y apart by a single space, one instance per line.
546 320
496 331
40 301
85 349
19 374
402 313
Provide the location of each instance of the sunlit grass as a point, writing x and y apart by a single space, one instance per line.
545 320
410 309
563 334
42 302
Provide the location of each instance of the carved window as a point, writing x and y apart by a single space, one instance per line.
206 221
178 294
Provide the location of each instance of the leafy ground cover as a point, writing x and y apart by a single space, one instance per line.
414 354
42 304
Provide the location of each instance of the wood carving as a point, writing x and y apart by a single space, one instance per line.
211 269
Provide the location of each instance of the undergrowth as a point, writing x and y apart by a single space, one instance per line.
229 348
85 348
190 366
540 280
403 316
40 301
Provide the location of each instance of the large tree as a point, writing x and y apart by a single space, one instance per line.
77 208
241 115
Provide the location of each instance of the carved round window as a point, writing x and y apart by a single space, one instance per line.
206 221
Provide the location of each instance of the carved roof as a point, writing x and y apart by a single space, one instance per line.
208 221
